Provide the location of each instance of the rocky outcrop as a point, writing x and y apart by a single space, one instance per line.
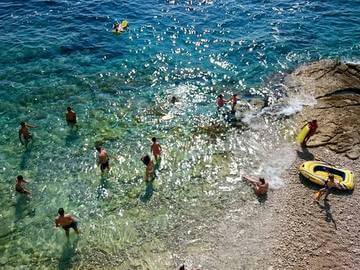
336 87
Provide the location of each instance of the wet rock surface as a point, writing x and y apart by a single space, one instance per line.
322 235
336 87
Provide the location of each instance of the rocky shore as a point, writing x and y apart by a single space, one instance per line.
325 235
290 230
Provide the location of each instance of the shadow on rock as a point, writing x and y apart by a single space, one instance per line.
307 183
262 198
328 215
305 154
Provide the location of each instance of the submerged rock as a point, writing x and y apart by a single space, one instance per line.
336 87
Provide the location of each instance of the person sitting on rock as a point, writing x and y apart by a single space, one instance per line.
313 127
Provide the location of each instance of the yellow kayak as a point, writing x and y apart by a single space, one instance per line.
302 134
318 172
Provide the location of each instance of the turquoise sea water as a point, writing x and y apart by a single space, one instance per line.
59 53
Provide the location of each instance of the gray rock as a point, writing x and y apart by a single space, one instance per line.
336 86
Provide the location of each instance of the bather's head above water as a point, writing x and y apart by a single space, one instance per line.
61 211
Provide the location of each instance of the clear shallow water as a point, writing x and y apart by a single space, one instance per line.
59 53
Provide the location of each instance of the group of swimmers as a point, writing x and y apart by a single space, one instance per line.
221 101
68 221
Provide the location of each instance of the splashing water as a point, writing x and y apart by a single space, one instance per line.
59 53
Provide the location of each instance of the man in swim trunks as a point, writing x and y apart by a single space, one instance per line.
19 186
156 149
70 116
103 159
24 133
313 127
66 222
259 186
149 171
329 185
233 102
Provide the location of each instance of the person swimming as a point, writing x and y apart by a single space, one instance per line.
117 27
149 171
24 133
66 222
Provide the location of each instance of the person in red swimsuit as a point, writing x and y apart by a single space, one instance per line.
156 149
220 101
313 127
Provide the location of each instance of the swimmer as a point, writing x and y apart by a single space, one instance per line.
70 116
66 222
149 172
103 159
118 27
220 101
24 133
19 186
259 186
156 149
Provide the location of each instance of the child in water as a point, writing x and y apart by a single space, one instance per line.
118 27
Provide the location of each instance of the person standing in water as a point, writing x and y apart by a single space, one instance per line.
19 186
156 149
259 186
234 99
149 171
313 127
220 101
103 159
66 222
70 116
24 133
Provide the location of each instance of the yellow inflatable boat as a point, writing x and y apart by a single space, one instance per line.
318 172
